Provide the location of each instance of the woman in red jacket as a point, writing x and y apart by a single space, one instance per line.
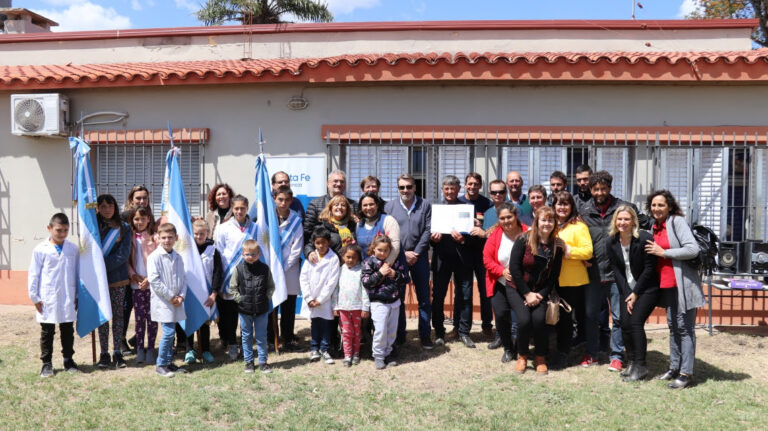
496 254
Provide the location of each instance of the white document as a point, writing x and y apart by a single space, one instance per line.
446 218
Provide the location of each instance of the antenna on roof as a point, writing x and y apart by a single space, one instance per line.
633 9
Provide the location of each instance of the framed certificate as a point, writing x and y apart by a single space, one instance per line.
446 218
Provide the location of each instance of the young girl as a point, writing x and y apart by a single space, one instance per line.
144 243
318 285
383 282
116 244
352 304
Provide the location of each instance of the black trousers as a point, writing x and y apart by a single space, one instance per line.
205 339
574 296
530 322
633 325
227 320
287 321
462 295
501 307
47 331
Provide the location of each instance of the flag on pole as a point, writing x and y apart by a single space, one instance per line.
93 306
263 213
174 208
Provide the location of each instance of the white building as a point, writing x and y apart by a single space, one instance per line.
659 104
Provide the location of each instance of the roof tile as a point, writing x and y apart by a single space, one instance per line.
348 68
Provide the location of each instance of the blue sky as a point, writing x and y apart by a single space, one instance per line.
122 14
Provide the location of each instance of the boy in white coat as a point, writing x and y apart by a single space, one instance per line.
52 287
318 286
168 284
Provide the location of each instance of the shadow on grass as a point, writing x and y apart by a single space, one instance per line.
658 363
757 331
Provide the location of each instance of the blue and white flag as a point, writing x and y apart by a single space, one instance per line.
263 213
93 306
175 210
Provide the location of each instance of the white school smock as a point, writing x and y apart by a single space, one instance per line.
165 272
227 237
292 256
53 279
319 282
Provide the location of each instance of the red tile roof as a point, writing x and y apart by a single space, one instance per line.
750 66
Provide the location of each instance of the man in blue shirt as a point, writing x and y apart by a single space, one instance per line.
414 215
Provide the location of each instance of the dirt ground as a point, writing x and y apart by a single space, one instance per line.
732 353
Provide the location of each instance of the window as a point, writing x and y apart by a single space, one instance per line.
718 175
123 159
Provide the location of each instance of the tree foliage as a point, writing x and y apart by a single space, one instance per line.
723 9
218 12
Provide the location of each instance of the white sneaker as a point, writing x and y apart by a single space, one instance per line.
233 352
314 356
327 358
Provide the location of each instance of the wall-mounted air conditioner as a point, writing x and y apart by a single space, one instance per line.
39 114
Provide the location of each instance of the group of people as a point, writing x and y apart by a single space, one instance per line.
590 249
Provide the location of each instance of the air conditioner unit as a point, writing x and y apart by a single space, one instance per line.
39 114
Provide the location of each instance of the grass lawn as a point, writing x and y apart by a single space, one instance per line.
450 388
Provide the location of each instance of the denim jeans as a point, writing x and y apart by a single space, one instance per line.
165 353
596 294
250 327
682 334
617 341
321 334
420 277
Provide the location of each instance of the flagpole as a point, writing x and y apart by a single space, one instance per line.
76 216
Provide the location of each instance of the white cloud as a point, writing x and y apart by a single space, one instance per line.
189 5
82 15
687 7
136 5
347 6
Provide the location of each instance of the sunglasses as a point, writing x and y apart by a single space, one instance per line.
408 187
250 254
498 192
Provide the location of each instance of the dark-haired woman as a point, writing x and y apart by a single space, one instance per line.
534 264
573 275
496 253
116 241
674 244
219 206
635 272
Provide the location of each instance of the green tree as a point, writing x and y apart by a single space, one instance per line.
723 9
217 12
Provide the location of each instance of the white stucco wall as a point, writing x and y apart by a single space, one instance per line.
303 45
35 172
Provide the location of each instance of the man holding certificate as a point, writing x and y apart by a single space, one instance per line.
452 223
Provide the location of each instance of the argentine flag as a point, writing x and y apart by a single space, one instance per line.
175 209
263 213
93 306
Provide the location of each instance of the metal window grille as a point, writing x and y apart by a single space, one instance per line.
123 160
719 176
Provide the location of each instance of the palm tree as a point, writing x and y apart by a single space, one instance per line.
217 12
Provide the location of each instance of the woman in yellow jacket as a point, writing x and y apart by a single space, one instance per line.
573 275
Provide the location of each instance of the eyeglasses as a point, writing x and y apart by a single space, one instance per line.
250 254
408 187
498 192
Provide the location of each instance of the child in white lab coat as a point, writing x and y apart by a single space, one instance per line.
52 286
318 287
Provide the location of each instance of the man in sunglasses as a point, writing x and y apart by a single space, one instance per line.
414 215
498 194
